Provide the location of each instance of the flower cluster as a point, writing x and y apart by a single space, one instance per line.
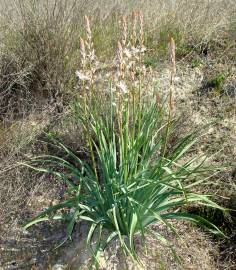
128 61
127 65
87 74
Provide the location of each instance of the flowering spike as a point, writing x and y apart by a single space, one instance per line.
173 56
134 26
173 72
88 29
83 53
120 58
124 30
141 33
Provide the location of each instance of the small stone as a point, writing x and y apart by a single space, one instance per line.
58 267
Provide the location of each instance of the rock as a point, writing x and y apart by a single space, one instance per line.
58 267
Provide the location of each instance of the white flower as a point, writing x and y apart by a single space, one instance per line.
122 86
134 50
110 89
127 53
143 49
177 79
130 64
82 76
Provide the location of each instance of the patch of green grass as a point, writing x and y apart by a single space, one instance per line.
218 83
168 32
151 62
158 43
196 63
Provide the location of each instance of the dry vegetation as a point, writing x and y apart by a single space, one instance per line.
39 56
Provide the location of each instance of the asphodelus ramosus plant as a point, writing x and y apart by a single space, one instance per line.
136 175
133 179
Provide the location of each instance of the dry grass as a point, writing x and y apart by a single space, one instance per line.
40 40
39 54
